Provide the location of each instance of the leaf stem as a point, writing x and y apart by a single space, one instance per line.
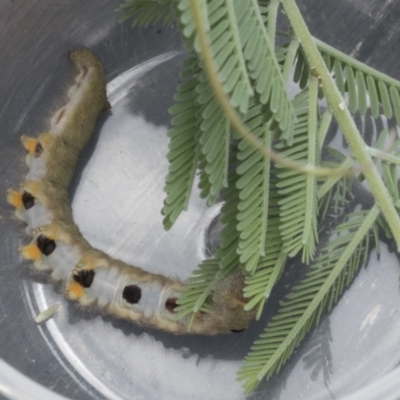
384 156
343 117
269 41
311 199
266 188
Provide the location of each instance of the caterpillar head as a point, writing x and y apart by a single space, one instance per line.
228 314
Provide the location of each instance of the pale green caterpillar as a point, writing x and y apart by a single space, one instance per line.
89 275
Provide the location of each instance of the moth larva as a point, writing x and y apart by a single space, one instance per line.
89 275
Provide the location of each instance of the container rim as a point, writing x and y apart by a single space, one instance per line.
16 386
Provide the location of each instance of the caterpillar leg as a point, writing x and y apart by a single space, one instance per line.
53 232
81 284
93 278
28 209
32 145
15 199
51 249
81 279
32 253
74 291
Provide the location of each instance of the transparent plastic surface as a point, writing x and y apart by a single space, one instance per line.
116 198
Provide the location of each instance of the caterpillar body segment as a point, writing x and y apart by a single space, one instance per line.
89 275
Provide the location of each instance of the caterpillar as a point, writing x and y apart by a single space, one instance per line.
89 275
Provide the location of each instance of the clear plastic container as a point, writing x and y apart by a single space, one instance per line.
117 196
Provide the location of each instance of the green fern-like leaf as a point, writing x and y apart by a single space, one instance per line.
299 204
214 139
302 70
227 252
390 167
331 273
258 286
147 12
187 24
270 13
332 192
183 147
253 186
364 86
226 46
389 162
391 154
225 261
263 65
266 219
292 50
198 288
332 198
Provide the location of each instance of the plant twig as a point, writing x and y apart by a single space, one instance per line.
343 117
235 120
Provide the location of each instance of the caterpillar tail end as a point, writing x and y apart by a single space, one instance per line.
83 58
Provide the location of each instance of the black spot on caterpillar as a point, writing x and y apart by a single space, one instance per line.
84 278
38 150
132 294
89 275
171 304
45 245
28 200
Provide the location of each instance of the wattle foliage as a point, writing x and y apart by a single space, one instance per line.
270 212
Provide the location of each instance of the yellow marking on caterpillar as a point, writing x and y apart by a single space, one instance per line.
15 199
54 232
51 231
87 262
29 144
32 187
46 140
75 291
31 252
